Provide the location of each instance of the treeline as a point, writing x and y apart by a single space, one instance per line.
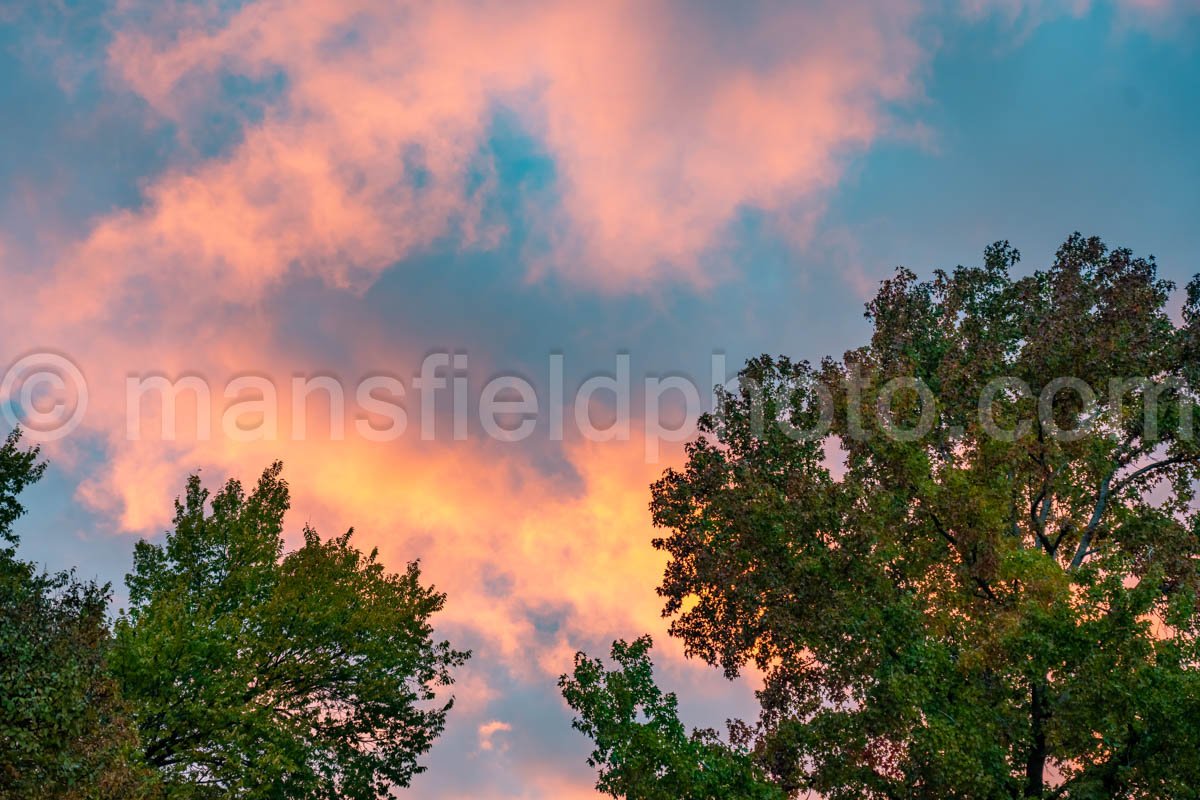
994 595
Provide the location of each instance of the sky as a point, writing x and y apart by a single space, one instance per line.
559 194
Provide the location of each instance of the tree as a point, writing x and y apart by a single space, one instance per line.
642 748
997 598
257 674
19 469
64 729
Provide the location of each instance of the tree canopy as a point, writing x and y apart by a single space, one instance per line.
994 594
256 673
239 670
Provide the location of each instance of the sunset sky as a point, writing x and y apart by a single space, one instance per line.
281 188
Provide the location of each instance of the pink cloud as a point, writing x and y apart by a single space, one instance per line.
488 734
662 121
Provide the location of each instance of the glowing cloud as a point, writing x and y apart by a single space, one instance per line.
662 119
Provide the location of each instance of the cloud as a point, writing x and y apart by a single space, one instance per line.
662 119
487 732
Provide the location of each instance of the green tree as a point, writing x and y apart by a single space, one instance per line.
642 749
64 730
260 674
997 595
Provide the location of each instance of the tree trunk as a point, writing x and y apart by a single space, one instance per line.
1035 764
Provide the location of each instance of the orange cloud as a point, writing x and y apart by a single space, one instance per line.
508 542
